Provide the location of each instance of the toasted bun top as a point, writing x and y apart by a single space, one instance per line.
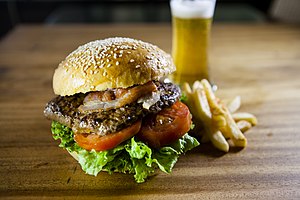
110 63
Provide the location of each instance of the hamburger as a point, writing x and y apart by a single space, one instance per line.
115 111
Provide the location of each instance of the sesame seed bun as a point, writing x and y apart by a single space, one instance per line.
110 63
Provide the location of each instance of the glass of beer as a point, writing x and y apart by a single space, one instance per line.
191 27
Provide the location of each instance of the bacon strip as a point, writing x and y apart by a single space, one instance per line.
115 98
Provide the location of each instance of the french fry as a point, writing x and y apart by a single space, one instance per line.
234 104
233 131
216 109
230 130
246 117
186 88
197 85
219 123
191 101
202 106
205 114
211 98
244 125
219 141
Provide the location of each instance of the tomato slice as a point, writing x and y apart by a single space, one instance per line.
167 126
102 143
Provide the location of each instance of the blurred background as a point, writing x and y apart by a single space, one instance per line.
13 12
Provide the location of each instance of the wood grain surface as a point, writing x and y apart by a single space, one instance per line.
259 62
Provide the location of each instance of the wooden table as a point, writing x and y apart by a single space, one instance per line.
259 62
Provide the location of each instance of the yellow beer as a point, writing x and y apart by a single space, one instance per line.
191 34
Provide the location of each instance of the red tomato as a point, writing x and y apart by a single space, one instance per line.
167 126
102 143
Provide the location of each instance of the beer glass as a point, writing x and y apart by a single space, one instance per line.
191 26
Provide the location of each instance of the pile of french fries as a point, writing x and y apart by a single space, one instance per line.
219 120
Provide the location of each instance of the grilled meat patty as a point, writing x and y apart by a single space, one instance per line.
64 109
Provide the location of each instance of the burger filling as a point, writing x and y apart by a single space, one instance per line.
110 111
113 130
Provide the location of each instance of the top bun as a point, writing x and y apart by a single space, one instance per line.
110 63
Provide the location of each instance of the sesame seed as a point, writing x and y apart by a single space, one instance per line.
109 65
138 66
131 60
117 63
85 68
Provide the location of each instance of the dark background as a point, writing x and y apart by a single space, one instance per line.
15 12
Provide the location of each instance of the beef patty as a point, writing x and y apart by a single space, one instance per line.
64 109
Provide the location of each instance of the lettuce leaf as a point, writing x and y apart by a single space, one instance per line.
132 156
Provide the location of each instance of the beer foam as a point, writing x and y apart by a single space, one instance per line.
192 9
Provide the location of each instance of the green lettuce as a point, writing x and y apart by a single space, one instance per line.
132 156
